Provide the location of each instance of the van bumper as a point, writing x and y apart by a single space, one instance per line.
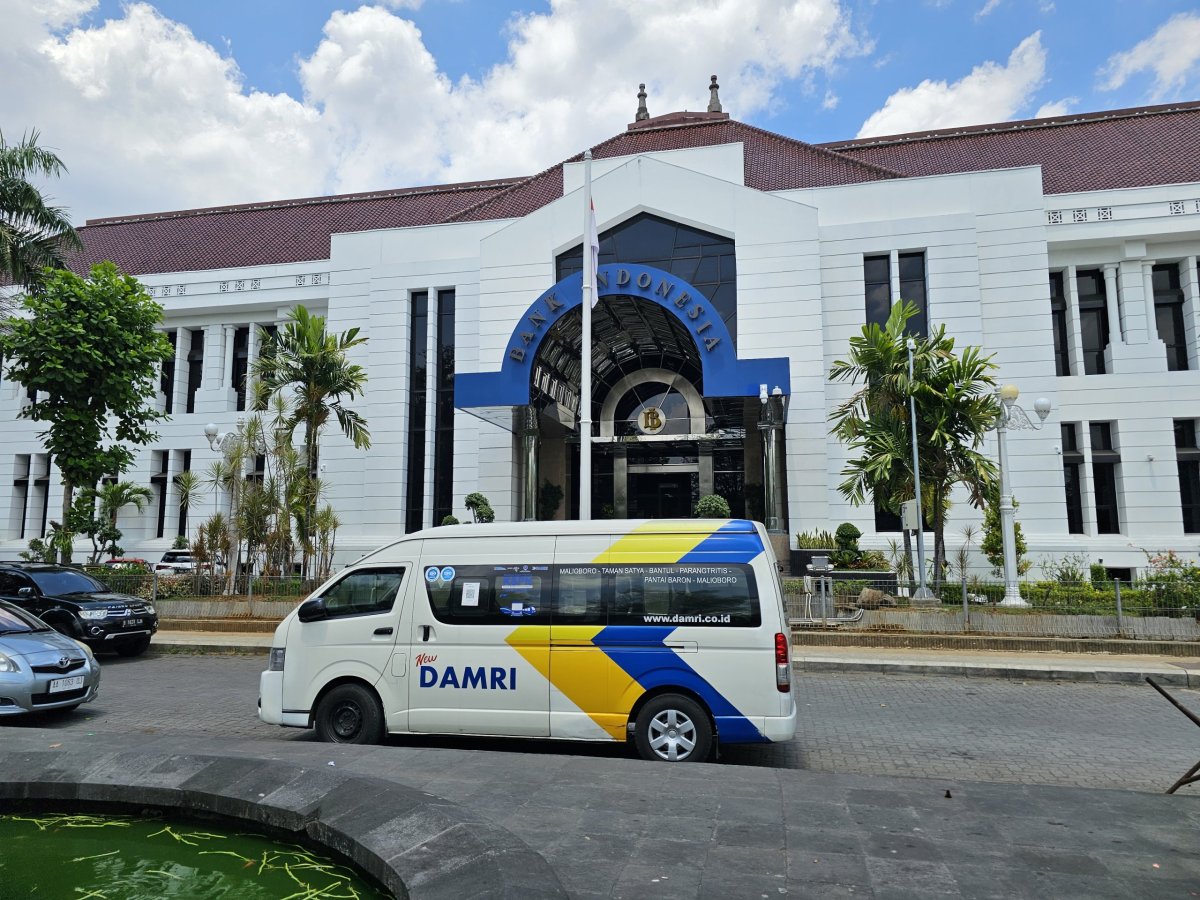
780 728
270 698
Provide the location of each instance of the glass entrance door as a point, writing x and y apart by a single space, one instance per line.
667 495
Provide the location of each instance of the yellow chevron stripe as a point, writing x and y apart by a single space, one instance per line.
659 542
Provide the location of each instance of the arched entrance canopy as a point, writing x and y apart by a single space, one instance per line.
724 374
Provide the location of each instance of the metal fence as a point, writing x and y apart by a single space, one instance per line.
202 595
1142 610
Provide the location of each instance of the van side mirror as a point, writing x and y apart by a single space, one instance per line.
313 610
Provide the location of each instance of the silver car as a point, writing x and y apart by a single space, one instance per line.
40 668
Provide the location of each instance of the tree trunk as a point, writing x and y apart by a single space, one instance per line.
66 546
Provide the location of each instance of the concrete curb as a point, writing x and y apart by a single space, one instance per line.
1168 676
415 844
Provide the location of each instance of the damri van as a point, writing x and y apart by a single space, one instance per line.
671 634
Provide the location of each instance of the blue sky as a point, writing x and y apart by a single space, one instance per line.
177 103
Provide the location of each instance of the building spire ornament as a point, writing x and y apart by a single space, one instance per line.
714 102
642 113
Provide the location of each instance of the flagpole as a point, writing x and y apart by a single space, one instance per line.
585 351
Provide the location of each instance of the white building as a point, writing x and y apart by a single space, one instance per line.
731 258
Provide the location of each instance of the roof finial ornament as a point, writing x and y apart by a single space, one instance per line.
714 102
642 113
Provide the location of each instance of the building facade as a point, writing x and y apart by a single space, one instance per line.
735 265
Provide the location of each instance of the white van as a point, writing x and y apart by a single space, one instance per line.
671 633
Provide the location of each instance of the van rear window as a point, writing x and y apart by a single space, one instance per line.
697 594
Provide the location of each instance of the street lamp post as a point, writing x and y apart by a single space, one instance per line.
923 593
1012 417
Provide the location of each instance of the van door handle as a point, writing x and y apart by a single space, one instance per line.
425 629
383 631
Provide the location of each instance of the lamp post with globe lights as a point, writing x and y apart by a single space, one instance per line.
1011 416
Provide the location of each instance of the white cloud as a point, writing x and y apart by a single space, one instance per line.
987 9
149 117
1055 108
831 100
990 93
1171 53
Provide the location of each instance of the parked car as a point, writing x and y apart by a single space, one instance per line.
122 563
182 562
80 606
41 669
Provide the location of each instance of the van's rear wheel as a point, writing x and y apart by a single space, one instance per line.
350 714
673 728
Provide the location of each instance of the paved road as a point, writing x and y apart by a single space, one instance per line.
966 729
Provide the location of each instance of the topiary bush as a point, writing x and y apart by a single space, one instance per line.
449 520
712 506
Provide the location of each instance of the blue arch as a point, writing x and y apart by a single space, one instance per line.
724 374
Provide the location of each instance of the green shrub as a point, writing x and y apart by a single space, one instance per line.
712 506
815 540
1098 573
449 520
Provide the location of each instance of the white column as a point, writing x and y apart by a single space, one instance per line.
183 342
1087 491
1148 299
1075 333
227 358
431 369
1191 309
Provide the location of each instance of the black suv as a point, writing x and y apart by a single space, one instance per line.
80 606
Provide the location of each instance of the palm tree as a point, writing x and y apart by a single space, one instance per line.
114 496
33 235
955 409
303 360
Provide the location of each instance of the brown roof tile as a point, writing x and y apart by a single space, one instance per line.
264 233
1091 151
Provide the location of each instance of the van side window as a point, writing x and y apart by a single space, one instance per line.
489 595
364 592
578 599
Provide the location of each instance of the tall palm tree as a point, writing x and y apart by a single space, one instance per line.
955 409
114 496
33 235
308 365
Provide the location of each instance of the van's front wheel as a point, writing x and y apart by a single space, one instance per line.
673 728
349 714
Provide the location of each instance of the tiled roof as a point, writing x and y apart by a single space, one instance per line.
265 233
772 163
1094 151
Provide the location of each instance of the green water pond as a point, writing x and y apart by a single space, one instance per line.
116 857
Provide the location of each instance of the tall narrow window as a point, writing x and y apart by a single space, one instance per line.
1106 462
195 367
418 336
912 289
877 279
1072 458
443 443
1168 315
21 493
1058 316
42 486
1187 452
185 466
1093 319
158 484
166 381
241 360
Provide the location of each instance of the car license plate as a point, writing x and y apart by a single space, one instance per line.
132 623
58 685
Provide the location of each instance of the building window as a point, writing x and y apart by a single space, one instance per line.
195 367
185 466
1058 316
443 437
166 381
1093 319
40 466
418 329
877 280
1187 452
1072 458
1106 462
158 484
886 520
21 492
912 288
1168 315
241 360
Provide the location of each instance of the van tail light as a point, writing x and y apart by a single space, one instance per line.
783 663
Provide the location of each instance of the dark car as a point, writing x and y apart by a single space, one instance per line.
80 606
